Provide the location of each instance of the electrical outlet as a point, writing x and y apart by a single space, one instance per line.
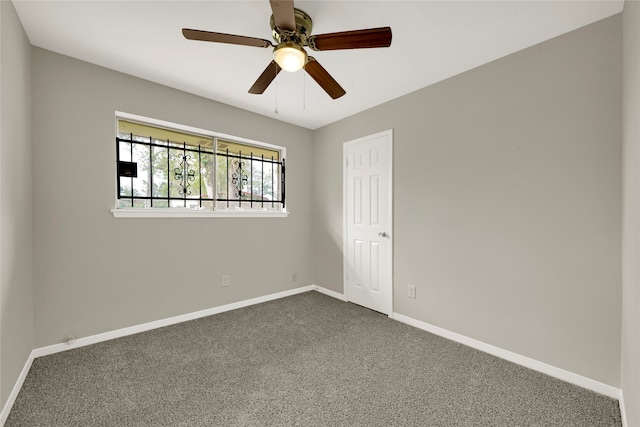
294 277
225 280
412 291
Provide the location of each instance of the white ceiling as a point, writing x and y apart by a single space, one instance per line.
432 40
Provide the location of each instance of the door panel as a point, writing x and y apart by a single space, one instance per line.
367 222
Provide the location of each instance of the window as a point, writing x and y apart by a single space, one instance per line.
165 169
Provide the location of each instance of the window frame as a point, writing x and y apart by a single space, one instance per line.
189 212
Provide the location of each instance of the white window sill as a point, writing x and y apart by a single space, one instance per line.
195 213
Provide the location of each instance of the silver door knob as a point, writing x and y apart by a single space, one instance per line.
383 234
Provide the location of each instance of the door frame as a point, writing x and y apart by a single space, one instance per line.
389 134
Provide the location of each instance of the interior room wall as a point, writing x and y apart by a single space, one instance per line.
507 201
630 372
95 273
16 245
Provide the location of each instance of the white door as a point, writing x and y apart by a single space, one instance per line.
368 238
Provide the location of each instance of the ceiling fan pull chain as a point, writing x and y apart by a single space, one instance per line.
276 110
304 90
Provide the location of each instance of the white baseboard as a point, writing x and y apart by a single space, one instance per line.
16 389
623 410
93 339
519 359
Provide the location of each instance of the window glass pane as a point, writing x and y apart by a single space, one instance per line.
141 203
206 175
222 178
160 174
161 142
141 182
187 175
124 203
248 183
175 157
139 138
269 176
176 169
239 188
124 150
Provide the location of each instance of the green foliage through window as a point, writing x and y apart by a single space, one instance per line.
215 174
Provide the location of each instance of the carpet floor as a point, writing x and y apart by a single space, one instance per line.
304 360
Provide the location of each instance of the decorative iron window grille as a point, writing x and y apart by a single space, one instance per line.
154 173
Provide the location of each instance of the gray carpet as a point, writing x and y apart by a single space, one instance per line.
305 360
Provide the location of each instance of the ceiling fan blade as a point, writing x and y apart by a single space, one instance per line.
283 14
357 39
323 78
208 36
265 78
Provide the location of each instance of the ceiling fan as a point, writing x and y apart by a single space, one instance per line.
291 29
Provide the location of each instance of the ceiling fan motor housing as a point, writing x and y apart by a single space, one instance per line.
304 25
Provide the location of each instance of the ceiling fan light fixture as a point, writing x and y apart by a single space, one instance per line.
289 56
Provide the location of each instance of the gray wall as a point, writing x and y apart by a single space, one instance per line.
16 247
95 273
507 209
630 372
